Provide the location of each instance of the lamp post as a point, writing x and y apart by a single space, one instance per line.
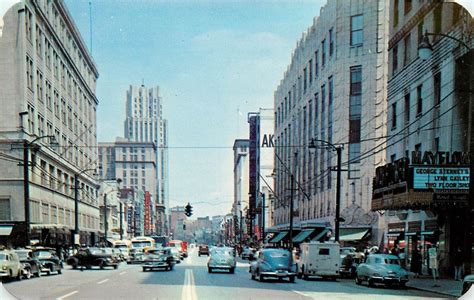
312 147
26 181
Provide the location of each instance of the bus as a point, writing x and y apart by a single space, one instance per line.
143 243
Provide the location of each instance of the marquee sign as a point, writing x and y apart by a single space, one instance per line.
440 178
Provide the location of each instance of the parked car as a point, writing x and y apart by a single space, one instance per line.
276 263
31 265
222 258
203 250
10 265
381 268
50 262
89 257
319 259
247 253
467 284
158 258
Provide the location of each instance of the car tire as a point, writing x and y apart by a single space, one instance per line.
252 276
115 267
60 271
260 276
232 270
209 270
28 274
38 274
101 264
358 280
402 285
19 276
370 282
292 279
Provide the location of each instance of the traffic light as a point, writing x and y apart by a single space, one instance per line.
188 210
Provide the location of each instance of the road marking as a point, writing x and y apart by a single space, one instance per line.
302 294
67 295
103 281
122 273
189 288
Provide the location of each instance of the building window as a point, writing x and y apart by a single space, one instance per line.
437 88
39 86
406 49
355 96
407 108
316 64
305 75
437 15
394 59
28 24
331 42
310 66
29 73
420 31
407 6
38 42
323 53
5 210
394 116
395 12
419 100
357 33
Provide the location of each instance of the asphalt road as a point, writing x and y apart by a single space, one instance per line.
190 281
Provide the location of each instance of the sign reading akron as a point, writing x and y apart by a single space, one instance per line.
440 178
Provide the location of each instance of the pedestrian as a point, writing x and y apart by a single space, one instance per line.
433 260
415 266
458 261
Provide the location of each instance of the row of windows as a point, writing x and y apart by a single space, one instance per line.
46 213
65 36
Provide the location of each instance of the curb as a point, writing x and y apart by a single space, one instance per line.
434 291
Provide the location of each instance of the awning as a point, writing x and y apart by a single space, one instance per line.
320 235
302 235
410 233
6 229
279 237
393 234
427 232
353 234
47 226
268 236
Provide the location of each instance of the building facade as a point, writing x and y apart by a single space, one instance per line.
145 123
241 184
428 133
333 92
47 93
134 163
177 218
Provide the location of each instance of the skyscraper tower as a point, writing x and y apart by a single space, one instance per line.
144 122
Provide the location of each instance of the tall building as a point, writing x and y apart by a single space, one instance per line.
177 217
144 122
47 92
134 163
241 183
428 119
334 92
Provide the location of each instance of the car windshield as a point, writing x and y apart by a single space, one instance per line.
22 254
141 244
96 251
222 252
390 261
3 256
43 254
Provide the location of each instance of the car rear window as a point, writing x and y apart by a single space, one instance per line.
277 254
324 251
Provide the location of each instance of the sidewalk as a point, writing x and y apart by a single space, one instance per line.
447 287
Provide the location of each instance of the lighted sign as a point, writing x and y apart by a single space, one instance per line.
441 178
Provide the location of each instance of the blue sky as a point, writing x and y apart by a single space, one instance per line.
210 59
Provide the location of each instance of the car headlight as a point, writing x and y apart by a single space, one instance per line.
4 267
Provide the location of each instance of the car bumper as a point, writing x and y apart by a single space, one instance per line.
156 264
4 273
278 274
220 266
388 279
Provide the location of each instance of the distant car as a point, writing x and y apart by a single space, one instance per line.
31 265
50 262
10 265
247 253
221 258
89 257
347 250
276 263
381 268
135 256
203 250
158 258
115 253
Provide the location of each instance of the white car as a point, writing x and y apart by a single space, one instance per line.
223 259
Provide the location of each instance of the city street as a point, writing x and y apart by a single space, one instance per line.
190 280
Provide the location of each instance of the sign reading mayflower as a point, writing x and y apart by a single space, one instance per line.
440 178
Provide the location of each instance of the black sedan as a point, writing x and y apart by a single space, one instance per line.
90 257
50 262
158 259
31 265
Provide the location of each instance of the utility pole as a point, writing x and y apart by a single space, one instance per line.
263 218
241 229
76 208
105 218
338 193
26 187
121 220
292 190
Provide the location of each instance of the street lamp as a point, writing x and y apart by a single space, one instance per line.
26 179
425 49
338 148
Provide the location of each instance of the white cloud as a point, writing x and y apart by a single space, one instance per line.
5 5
